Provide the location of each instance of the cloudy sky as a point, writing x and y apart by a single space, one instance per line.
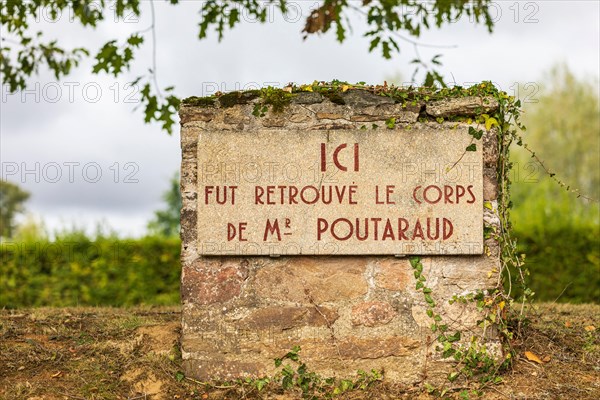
81 147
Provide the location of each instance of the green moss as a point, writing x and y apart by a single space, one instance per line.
233 98
335 98
199 101
276 98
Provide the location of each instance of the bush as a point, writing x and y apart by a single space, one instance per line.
76 270
560 236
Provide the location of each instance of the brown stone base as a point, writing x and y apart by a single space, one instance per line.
346 314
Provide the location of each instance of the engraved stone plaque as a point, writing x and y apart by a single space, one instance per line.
374 191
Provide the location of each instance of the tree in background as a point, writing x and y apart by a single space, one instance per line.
166 221
24 49
558 231
564 129
12 199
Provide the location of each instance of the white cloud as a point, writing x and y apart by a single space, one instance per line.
108 131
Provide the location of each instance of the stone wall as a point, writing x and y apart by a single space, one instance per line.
345 312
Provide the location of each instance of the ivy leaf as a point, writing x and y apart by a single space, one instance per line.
452 376
454 338
476 133
414 261
490 122
471 147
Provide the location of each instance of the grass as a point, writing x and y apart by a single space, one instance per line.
113 353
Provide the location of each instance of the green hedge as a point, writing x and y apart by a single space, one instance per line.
564 264
75 270
560 236
563 256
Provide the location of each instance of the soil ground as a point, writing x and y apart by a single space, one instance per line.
112 353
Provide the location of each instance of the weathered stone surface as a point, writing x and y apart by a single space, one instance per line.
347 348
321 115
214 282
236 116
188 225
372 348
467 106
189 114
308 279
274 121
289 317
378 200
393 274
332 126
300 117
490 148
372 313
363 98
307 98
384 112
490 184
346 312
211 369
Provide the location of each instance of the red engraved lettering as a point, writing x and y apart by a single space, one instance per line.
351 193
376 227
366 235
303 196
350 229
439 194
322 226
470 189
231 231
415 194
336 154
207 190
418 230
448 191
402 228
259 191
460 192
377 201
340 194
293 193
430 236
388 232
447 229
272 228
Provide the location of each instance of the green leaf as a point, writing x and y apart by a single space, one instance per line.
135 40
452 376
490 122
374 44
454 338
476 133
261 383
414 261
471 147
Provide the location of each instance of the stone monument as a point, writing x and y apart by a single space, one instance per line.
298 220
